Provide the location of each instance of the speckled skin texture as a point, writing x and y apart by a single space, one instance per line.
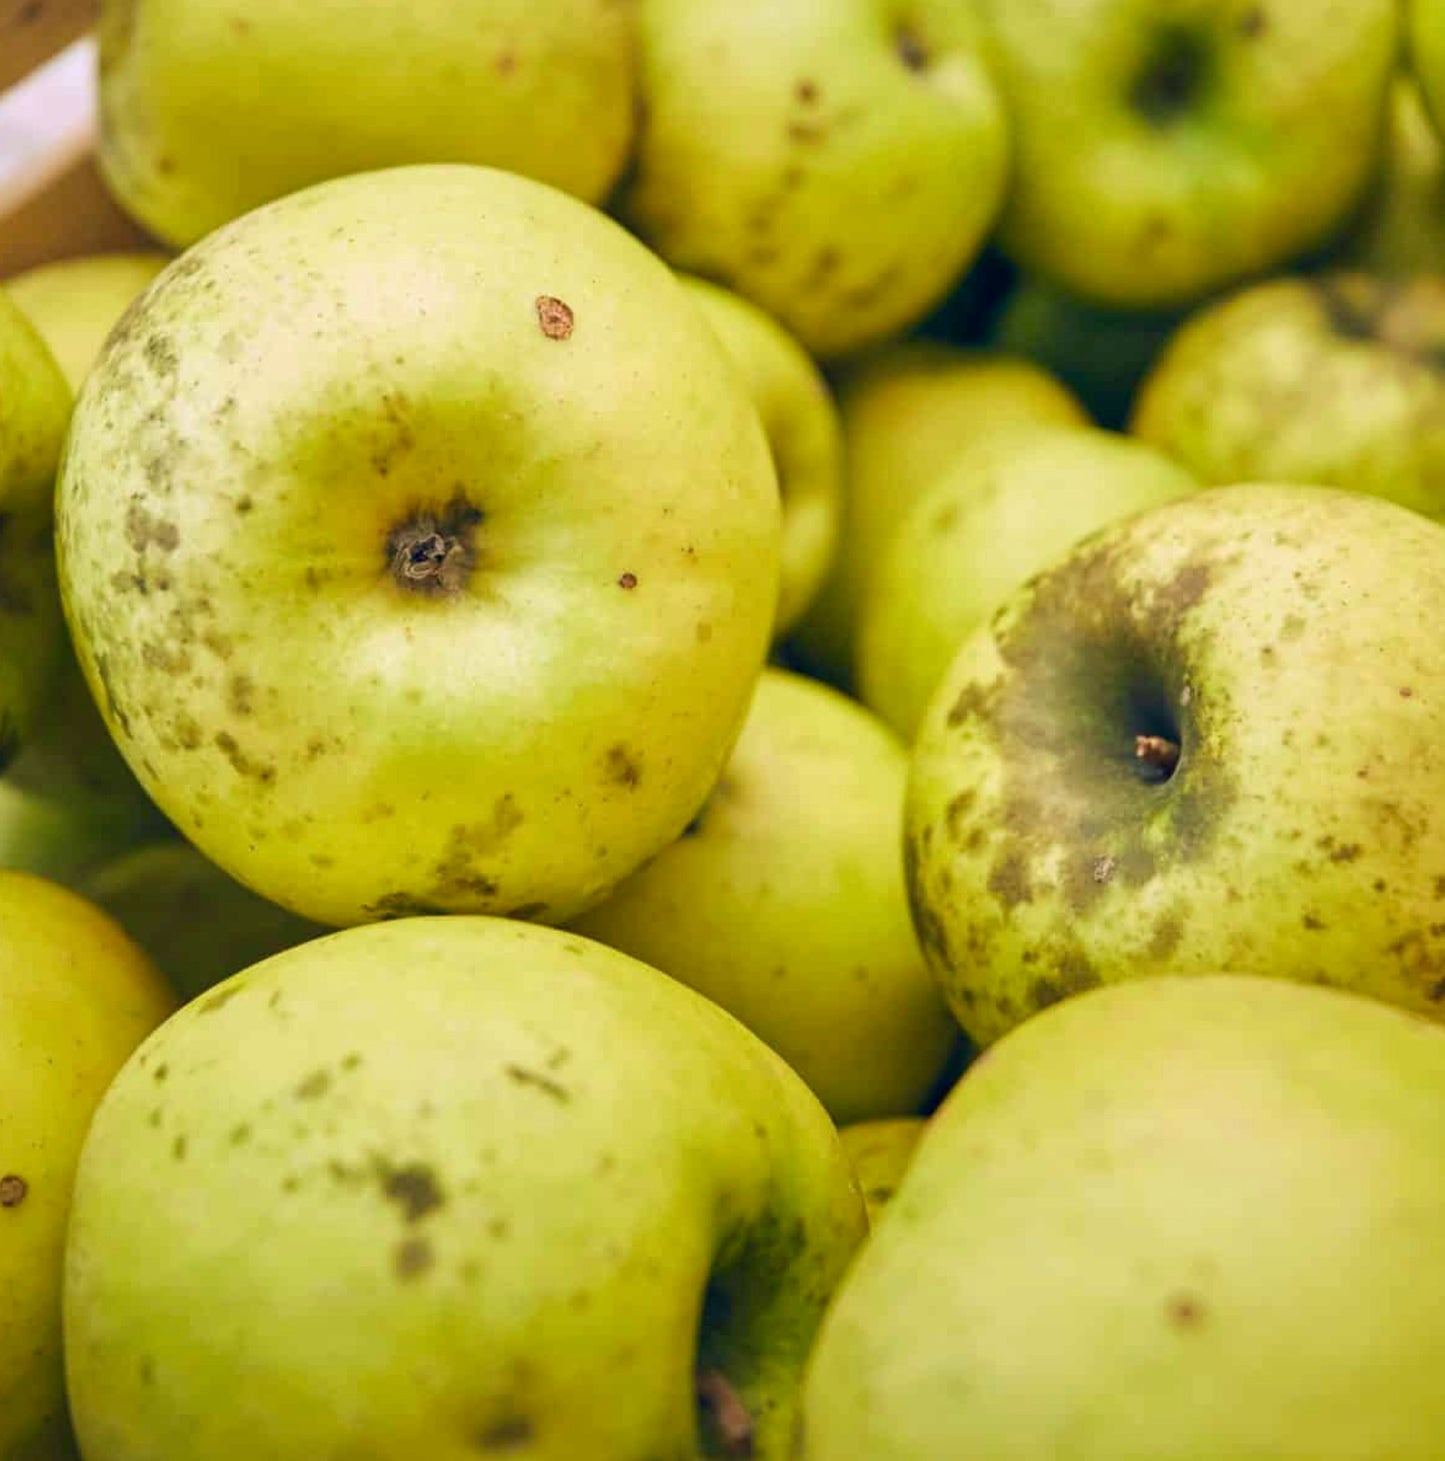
1163 148
209 109
837 161
1335 379
476 361
1183 1220
1282 636
449 1188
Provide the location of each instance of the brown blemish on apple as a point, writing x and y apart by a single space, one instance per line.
555 317
413 1188
160 355
527 912
413 1257
627 580
511 1433
807 92
143 530
522 1076
314 1085
241 763
402 905
911 49
432 553
622 766
13 1189
505 63
1185 1311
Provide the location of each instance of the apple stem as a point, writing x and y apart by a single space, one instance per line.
1157 751
730 1416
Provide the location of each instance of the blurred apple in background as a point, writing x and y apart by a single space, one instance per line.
908 411
1004 510
784 902
840 162
1332 379
1162 152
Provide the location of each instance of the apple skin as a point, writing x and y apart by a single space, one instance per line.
1162 153
880 1152
1274 634
208 111
441 371
1330 379
74 303
907 411
501 1188
1179 1219
198 924
78 997
1002 512
784 902
1425 40
804 435
834 161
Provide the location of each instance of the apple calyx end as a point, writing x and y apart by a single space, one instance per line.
731 1419
434 553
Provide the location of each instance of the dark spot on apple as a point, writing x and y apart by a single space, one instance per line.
522 1076
413 1257
1346 852
911 49
241 763
178 1148
957 812
1436 992
316 1084
239 695
703 633
1009 880
1166 937
13 1189
159 1074
1185 1311
1175 72
143 529
555 317
1253 23
240 1134
403 905
413 1187
505 63
807 92
622 766
511 1433
210 1003
160 355
627 580
432 552
527 912
810 134
1405 692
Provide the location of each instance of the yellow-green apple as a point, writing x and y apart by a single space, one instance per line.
839 162
1003 511
420 545
34 411
801 421
74 303
907 411
78 996
1179 1219
1331 379
209 110
784 902
1202 740
1425 43
451 1187
880 1152
197 923
1164 151
1101 354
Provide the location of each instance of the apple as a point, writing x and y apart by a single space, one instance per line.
198 924
209 110
838 162
419 542
77 996
1004 510
880 1152
74 303
1180 1219
1164 152
1101 354
445 1187
1205 739
1401 229
1330 379
34 411
907 411
784 902
801 421
1425 39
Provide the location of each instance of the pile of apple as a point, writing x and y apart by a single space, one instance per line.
724 736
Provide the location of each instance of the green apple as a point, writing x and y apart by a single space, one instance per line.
1425 40
1101 354
1187 1218
420 545
1401 229
839 162
208 110
74 303
77 996
34 412
1002 512
785 903
197 923
907 411
451 1187
1331 379
880 1152
1163 151
801 421
1203 740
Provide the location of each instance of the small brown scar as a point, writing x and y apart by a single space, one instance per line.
13 1190
627 580
1185 1311
555 317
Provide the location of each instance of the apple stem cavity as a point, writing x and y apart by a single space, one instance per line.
1172 78
433 553
1158 753
911 49
732 1421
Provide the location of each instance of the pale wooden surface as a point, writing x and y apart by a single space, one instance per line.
32 30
